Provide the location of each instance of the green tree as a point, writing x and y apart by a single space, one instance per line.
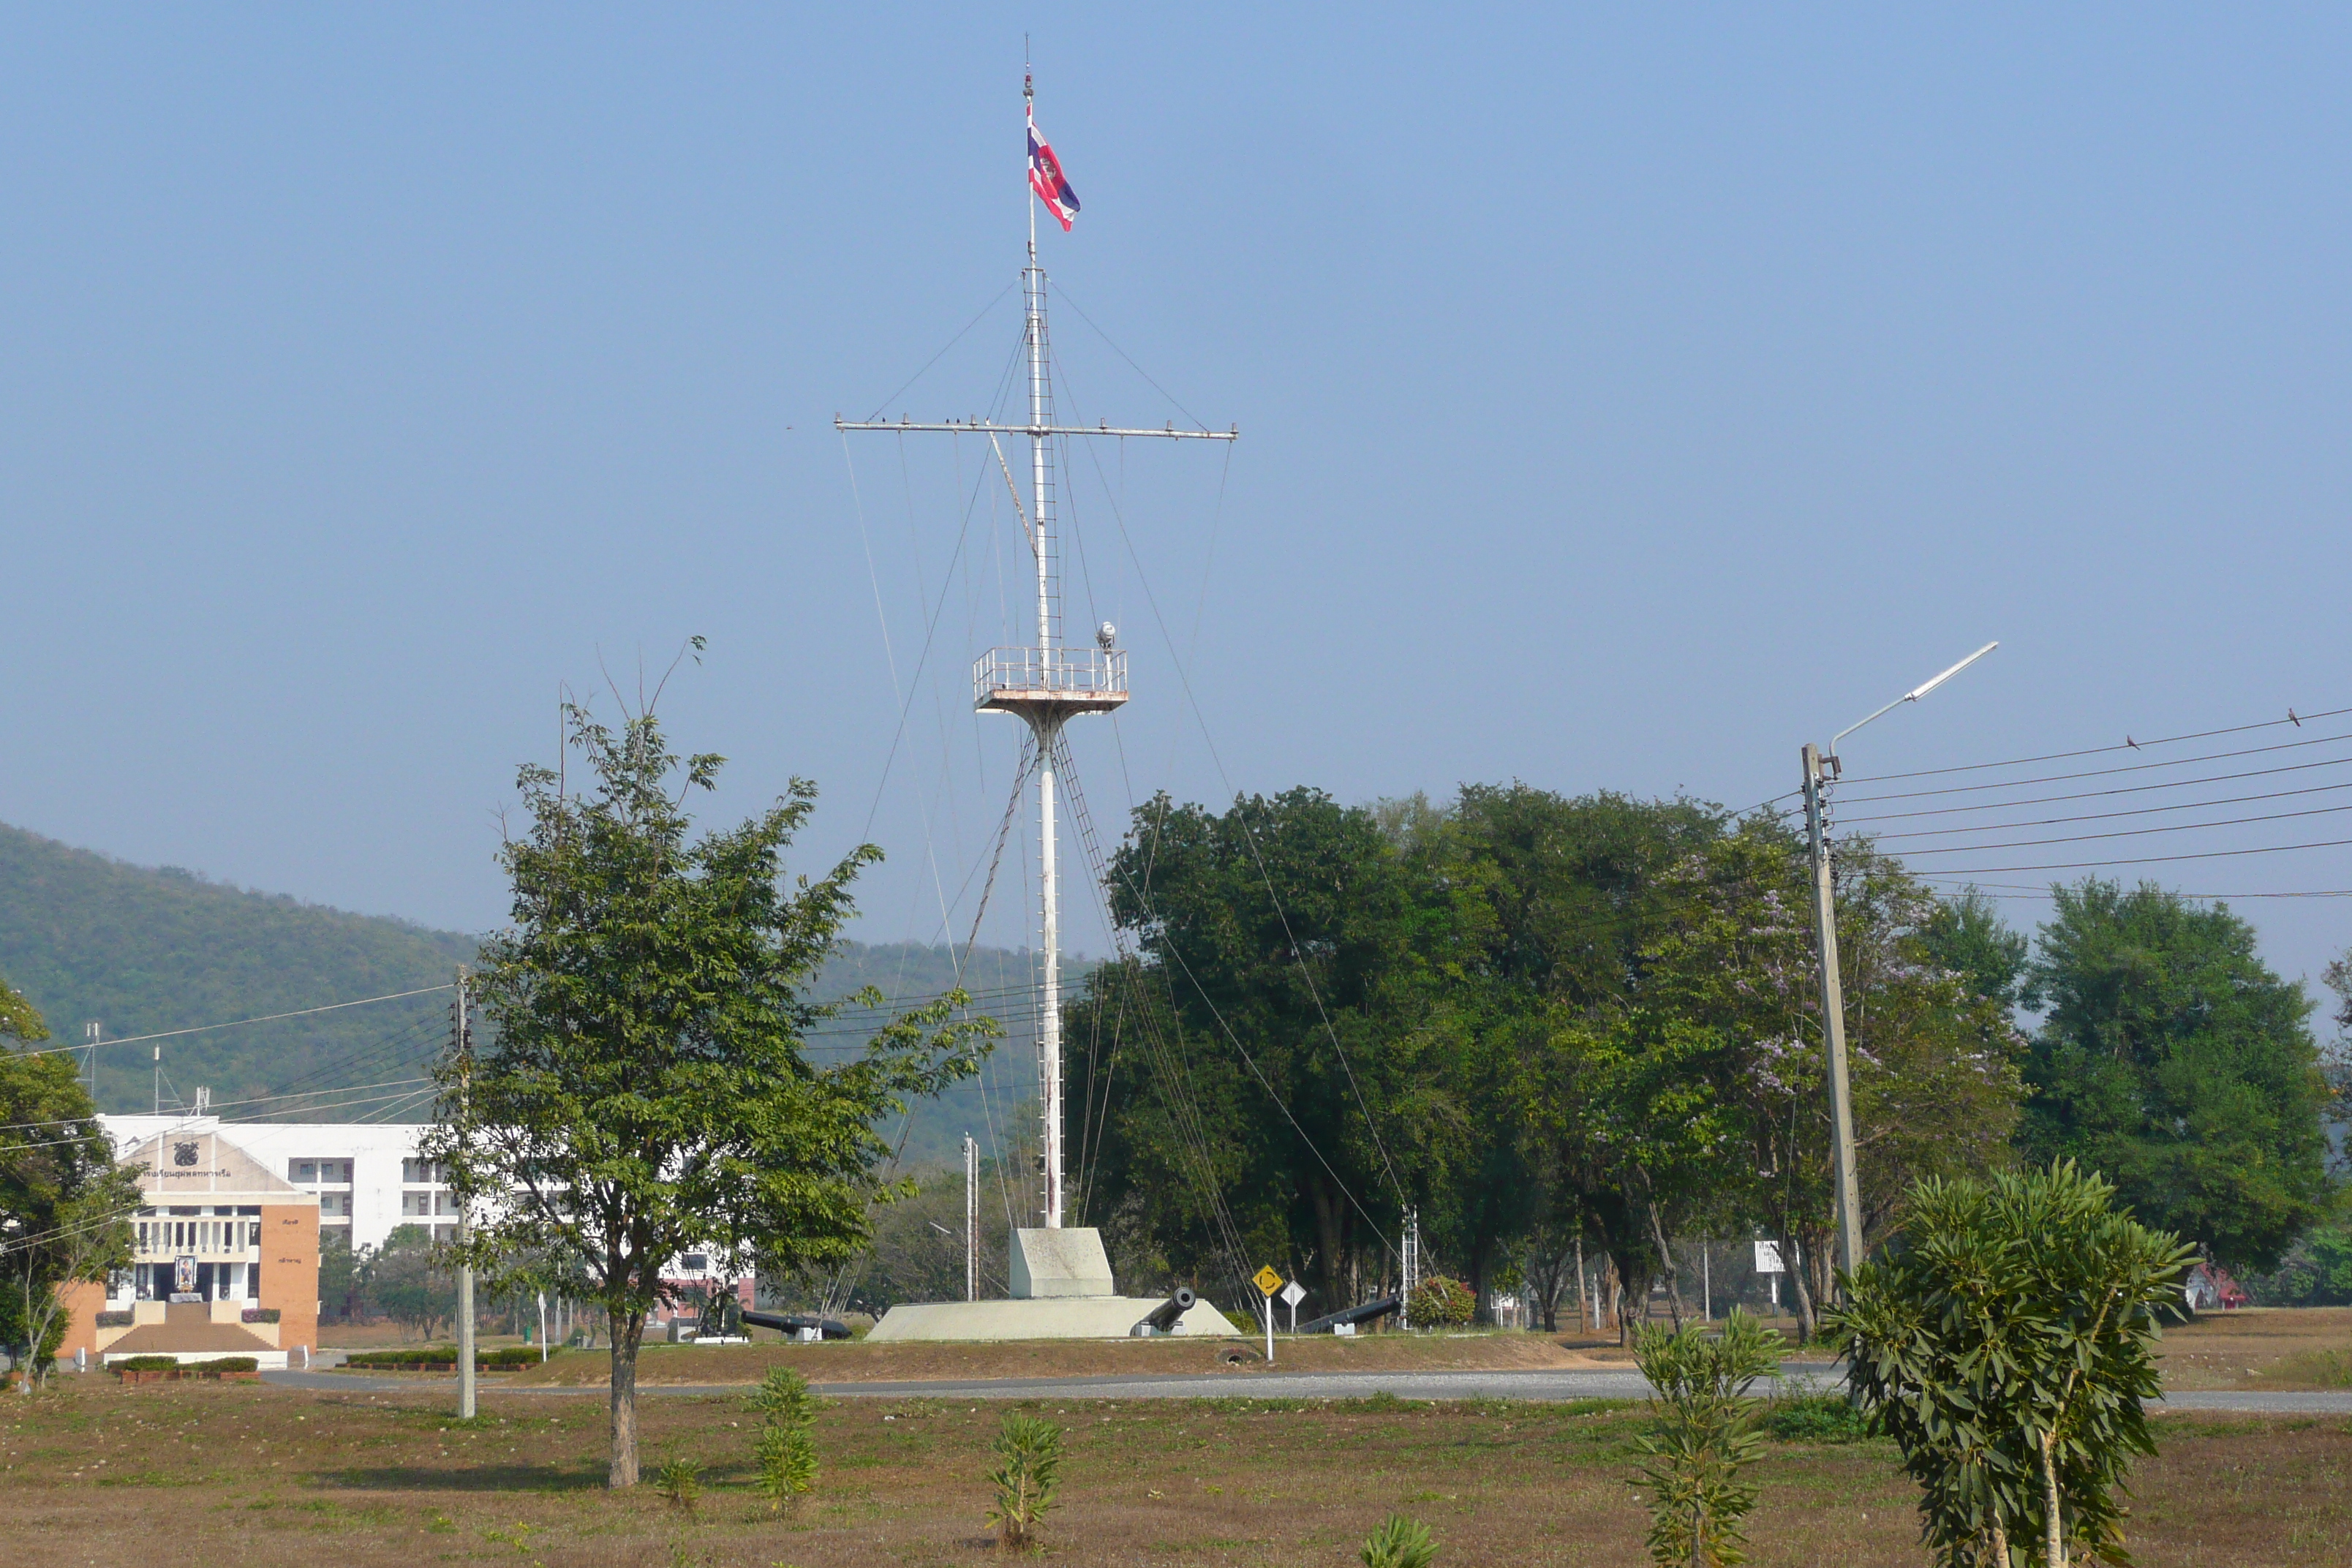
1284 1043
645 1090
2175 1062
1967 936
2012 1372
65 1204
408 1280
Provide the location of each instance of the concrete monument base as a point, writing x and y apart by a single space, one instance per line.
1042 1318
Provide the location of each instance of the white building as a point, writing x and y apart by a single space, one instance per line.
367 1176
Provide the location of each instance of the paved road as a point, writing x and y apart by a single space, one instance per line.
1540 1386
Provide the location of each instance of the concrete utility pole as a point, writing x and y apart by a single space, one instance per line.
1821 772
465 1044
1825 950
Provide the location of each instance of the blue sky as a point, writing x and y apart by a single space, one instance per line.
1626 396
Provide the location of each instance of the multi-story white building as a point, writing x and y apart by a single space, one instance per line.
367 1175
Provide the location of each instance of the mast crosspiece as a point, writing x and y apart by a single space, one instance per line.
1048 684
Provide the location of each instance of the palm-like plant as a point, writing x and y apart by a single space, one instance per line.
1028 1450
1704 1438
2006 1341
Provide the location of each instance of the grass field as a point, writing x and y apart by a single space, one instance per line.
260 1475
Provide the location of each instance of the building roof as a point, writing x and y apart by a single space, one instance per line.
197 1165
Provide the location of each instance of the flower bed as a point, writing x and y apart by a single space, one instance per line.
260 1315
114 1319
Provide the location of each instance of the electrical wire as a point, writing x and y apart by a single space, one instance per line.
2103 793
2089 774
2118 833
236 1023
2297 720
2152 859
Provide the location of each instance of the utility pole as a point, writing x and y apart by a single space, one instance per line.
971 1219
1821 772
464 1041
1409 1267
159 1080
1825 951
93 1035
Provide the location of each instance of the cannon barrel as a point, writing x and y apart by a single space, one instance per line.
1161 1319
1363 1314
798 1324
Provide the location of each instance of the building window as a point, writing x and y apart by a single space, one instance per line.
421 1171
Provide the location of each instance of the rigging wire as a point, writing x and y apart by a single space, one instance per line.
2118 833
1248 834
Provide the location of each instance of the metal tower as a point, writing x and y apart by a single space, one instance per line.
1047 684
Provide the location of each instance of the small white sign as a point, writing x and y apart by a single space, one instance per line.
1768 1257
1293 1294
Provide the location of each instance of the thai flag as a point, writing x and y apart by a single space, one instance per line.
1045 178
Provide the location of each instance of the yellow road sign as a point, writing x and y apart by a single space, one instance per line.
1269 1281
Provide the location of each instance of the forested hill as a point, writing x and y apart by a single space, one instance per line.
145 949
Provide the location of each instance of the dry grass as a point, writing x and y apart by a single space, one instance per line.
2277 1348
262 1476
909 1362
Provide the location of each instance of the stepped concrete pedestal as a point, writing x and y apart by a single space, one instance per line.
1061 1290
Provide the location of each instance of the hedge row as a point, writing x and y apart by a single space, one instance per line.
444 1358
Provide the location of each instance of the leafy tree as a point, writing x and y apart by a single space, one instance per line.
1706 1436
646 1090
2175 1062
1284 927
2006 1341
1967 936
63 1202
408 1280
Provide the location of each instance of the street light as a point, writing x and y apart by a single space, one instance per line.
1819 771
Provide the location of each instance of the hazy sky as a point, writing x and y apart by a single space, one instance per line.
1626 396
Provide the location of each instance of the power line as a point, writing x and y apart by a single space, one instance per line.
2152 860
2103 793
2119 833
2042 890
2092 772
240 1023
2298 720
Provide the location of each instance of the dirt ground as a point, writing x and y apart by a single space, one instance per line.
264 1476
858 1361
2262 1347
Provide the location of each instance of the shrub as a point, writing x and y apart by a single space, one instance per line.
680 1480
1439 1303
260 1315
1816 1418
228 1363
1706 1436
114 1319
783 1447
146 1364
2006 1341
1029 1453
1398 1542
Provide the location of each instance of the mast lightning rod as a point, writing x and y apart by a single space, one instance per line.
985 427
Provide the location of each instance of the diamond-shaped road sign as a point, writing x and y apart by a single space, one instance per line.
1269 1281
1293 1294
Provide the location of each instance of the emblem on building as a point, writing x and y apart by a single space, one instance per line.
184 1153
183 1275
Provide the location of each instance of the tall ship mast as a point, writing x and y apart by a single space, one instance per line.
1050 682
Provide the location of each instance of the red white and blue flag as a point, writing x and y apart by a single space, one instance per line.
1046 179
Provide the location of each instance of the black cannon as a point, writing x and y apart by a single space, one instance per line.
1369 1312
800 1325
1161 1319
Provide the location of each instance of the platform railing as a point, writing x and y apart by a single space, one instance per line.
1074 672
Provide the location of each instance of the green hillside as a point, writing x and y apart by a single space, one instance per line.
145 949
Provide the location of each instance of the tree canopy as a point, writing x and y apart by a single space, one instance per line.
2173 1061
646 1089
